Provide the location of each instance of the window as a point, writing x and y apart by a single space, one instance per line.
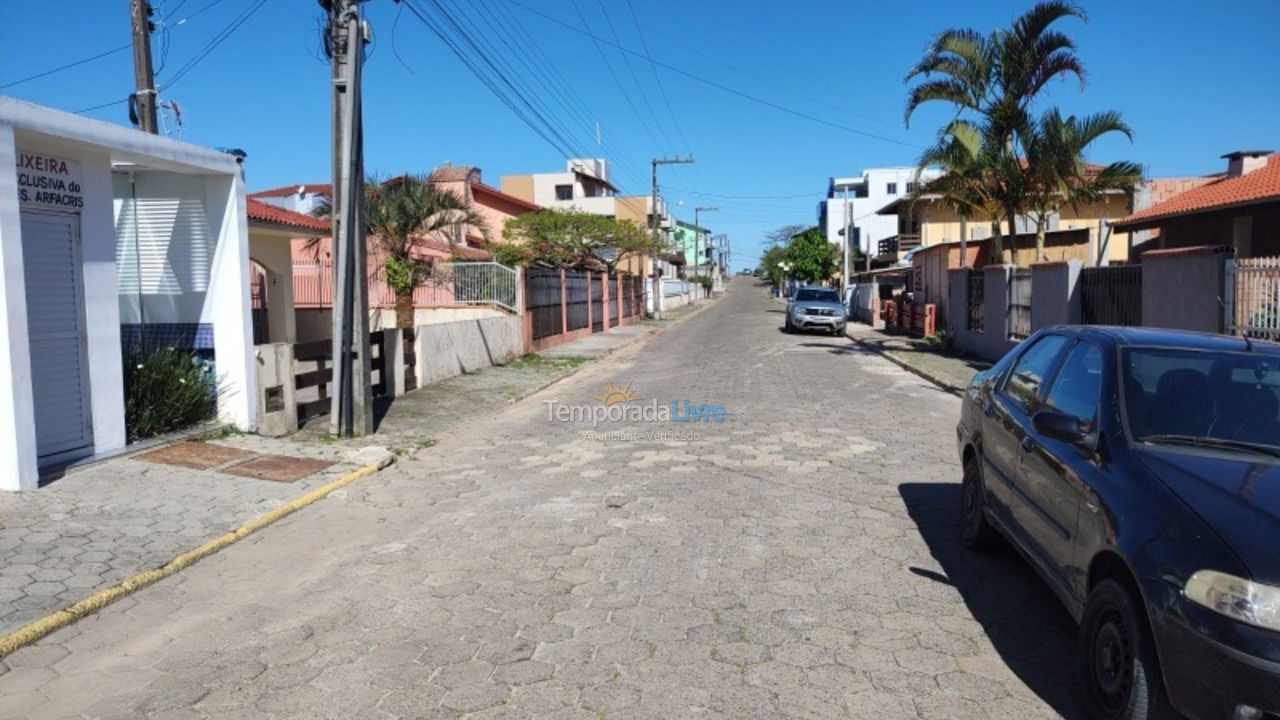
1023 384
891 188
1078 385
564 192
911 187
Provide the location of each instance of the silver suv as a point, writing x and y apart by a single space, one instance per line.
816 308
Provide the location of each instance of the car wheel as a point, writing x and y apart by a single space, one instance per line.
1120 673
978 533
786 326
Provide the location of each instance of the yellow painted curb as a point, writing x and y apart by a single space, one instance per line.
36 629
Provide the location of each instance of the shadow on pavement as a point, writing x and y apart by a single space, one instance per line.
1027 626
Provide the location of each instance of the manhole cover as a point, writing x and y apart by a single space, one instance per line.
277 468
194 455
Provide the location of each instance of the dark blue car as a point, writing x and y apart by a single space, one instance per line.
1139 472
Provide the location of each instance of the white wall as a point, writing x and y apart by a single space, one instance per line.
17 409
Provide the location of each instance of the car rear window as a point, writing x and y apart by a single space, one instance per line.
818 296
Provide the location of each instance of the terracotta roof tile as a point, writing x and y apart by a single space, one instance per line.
451 173
1261 185
262 212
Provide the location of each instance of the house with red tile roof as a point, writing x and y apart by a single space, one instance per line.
1239 209
272 233
492 204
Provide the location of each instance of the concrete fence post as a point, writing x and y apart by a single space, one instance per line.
1055 294
1184 288
605 295
277 402
393 362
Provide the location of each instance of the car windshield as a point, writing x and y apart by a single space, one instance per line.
1222 399
818 296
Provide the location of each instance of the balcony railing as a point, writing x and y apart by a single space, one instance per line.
899 244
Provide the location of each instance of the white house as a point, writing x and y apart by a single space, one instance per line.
859 197
109 235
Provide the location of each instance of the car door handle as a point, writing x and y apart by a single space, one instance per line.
1028 444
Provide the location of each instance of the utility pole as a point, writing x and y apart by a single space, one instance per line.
848 244
653 224
697 230
352 405
143 101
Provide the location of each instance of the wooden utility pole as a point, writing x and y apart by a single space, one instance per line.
144 95
653 223
351 412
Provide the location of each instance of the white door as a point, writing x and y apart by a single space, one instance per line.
55 326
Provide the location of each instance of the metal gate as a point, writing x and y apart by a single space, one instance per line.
1111 295
1253 297
543 288
1020 305
976 298
56 332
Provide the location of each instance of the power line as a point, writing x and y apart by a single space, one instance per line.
68 66
715 84
213 44
106 53
644 97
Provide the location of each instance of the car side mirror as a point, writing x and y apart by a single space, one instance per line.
1064 427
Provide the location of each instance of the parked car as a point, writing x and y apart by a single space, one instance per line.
815 308
1139 472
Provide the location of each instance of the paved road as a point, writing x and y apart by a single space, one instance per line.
798 560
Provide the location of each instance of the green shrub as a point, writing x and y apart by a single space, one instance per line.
165 389
706 282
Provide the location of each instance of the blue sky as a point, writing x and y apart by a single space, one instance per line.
1194 80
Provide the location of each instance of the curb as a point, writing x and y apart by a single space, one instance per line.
943 384
37 629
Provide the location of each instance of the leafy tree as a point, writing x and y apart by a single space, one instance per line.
1058 172
962 153
570 238
812 259
770 264
401 212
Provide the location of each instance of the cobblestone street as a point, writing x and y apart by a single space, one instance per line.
799 560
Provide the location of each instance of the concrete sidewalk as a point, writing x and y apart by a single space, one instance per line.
948 370
105 522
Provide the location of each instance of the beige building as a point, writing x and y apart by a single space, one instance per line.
929 220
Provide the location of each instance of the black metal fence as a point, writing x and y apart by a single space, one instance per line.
1111 295
976 300
613 300
576 299
597 303
543 292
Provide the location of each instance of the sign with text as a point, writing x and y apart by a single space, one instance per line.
48 181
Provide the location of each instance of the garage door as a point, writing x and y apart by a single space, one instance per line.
55 326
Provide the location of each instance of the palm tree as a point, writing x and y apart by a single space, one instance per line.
961 153
1058 173
399 214
995 78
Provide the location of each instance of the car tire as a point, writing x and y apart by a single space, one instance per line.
977 533
787 327
1116 656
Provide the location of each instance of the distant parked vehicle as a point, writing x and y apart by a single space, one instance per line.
815 308
1139 473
